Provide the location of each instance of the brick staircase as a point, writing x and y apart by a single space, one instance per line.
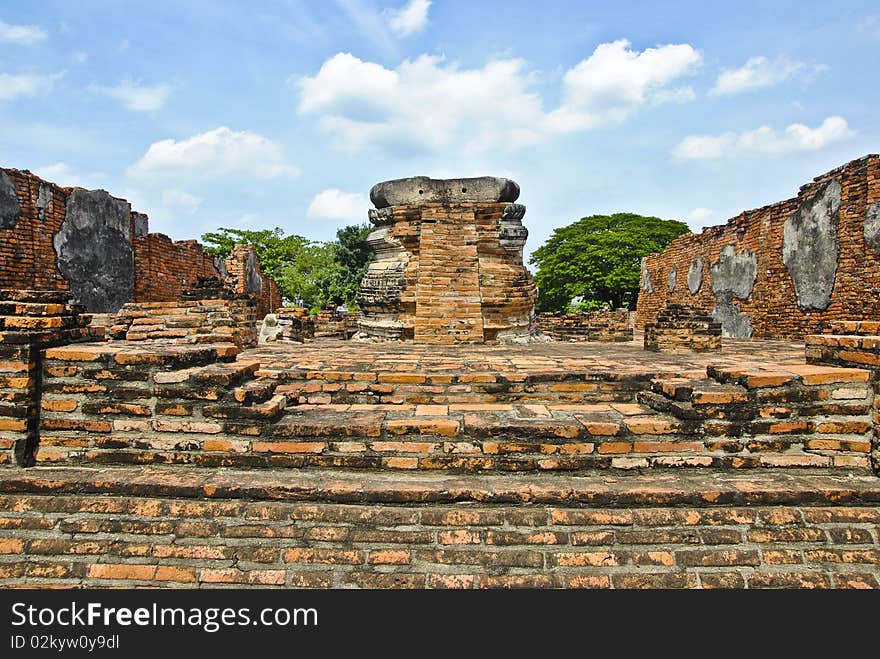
181 404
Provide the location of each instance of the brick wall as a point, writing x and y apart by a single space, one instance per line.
163 268
162 529
772 307
589 326
246 278
188 321
27 257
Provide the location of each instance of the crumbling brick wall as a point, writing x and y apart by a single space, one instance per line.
247 278
31 212
108 258
165 268
784 270
612 326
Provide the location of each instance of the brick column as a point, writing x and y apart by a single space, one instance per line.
856 344
448 306
30 321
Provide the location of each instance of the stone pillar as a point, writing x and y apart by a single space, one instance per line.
447 264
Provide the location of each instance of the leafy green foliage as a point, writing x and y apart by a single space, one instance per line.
598 258
583 306
352 255
310 273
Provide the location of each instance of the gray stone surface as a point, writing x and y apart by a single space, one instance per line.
670 279
94 250
810 249
253 282
141 224
695 275
734 323
512 233
44 198
733 276
872 226
220 265
423 190
10 210
646 284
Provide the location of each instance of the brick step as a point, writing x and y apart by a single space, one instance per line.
856 327
695 399
414 388
256 391
686 410
789 375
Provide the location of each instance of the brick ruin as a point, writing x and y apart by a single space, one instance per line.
173 452
95 246
682 329
448 263
613 326
785 270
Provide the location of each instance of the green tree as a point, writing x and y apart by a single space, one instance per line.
308 272
352 256
598 258
309 278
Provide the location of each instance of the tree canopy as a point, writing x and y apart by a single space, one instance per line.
598 260
311 273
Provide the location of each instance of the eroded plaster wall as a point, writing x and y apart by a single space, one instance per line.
784 270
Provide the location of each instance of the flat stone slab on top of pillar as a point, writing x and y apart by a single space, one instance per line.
424 190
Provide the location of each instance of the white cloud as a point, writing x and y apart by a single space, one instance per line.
180 202
423 104
677 95
81 56
21 34
13 85
135 96
764 141
757 73
429 104
409 19
217 153
333 204
700 214
610 84
62 174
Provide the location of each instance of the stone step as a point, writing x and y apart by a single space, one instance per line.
425 388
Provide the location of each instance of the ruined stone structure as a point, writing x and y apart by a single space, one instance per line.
291 324
169 456
448 263
785 270
682 329
95 246
613 326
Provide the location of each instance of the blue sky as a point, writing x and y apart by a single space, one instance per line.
210 113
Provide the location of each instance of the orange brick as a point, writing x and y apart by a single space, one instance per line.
121 571
389 557
615 447
288 447
59 405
